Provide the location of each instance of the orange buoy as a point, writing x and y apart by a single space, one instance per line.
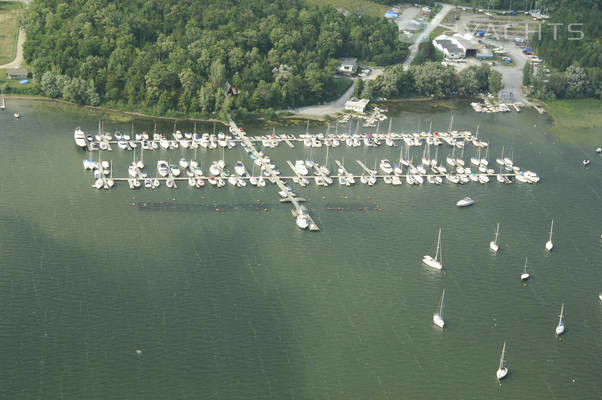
202 197
360 209
258 200
369 197
380 209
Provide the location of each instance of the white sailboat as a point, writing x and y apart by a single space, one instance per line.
437 261
438 316
560 327
502 369
493 245
549 244
525 275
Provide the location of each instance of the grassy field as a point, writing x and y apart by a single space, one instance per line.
9 27
576 121
366 7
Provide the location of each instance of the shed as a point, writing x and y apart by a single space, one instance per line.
16 73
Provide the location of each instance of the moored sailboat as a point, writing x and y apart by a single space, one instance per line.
437 261
560 326
438 316
502 369
493 245
549 244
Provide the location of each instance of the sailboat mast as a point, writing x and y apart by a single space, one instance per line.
497 231
502 357
561 312
441 307
551 229
438 251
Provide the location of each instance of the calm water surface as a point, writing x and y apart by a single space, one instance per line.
241 304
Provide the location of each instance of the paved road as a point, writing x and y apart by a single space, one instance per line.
512 76
19 57
329 108
426 34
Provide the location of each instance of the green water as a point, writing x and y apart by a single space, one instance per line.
241 304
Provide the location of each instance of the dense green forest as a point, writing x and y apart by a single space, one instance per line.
432 79
175 56
577 63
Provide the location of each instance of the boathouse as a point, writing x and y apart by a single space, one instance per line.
357 105
16 73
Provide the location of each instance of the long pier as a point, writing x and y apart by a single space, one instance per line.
299 210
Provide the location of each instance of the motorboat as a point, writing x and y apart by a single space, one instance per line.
437 261
301 168
80 138
240 169
465 202
175 171
163 168
385 166
302 222
586 163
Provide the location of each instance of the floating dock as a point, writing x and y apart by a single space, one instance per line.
298 208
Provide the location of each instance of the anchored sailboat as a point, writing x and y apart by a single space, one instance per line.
437 261
493 245
438 316
549 244
560 327
525 275
502 369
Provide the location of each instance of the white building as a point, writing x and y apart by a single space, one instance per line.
457 46
348 65
357 105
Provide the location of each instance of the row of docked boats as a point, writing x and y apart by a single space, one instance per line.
125 141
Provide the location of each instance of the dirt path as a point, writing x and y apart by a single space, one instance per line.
19 57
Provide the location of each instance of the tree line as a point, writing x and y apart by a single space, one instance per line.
576 63
171 56
432 79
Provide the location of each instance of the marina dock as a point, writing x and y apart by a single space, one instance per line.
429 172
299 210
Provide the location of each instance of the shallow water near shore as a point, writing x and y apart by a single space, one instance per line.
217 294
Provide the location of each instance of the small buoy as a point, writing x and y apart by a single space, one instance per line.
265 209
339 208
360 209
202 197
133 204
217 210
369 197
258 200
323 197
346 197
138 351
380 209
174 199
133 197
